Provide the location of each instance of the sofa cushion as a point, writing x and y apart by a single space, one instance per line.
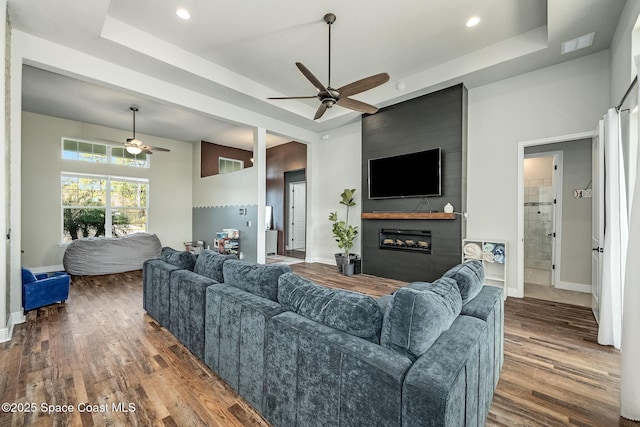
469 276
209 264
414 320
354 313
182 259
257 279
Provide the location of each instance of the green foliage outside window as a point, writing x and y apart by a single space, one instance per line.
85 210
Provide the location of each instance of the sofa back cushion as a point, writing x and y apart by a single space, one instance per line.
28 276
415 318
257 279
209 264
470 278
351 312
181 259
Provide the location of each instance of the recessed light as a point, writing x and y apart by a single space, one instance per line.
473 21
577 43
183 14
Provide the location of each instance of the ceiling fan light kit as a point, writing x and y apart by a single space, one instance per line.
135 146
329 96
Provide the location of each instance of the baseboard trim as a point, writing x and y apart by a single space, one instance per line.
47 269
515 293
330 261
14 319
577 287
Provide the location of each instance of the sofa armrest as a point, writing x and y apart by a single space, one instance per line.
488 305
156 298
442 388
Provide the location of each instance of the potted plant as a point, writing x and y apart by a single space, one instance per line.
344 233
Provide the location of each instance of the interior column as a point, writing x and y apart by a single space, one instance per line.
260 162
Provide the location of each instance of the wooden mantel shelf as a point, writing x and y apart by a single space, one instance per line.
408 215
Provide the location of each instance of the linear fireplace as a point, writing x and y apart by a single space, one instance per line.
406 240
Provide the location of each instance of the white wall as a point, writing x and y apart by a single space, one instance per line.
229 189
333 165
559 100
169 184
622 68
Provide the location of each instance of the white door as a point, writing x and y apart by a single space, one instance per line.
297 215
597 219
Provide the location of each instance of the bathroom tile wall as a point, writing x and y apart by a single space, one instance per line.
538 226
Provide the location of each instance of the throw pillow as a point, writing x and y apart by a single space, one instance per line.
209 264
470 278
414 320
351 312
182 259
257 279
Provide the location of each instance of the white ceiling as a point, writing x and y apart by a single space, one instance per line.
242 53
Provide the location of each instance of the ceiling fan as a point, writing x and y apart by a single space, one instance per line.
329 96
134 145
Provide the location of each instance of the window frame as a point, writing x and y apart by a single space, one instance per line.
108 225
226 159
109 158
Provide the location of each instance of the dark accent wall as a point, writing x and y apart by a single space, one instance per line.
434 120
281 159
211 152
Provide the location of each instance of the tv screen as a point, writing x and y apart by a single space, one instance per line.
406 175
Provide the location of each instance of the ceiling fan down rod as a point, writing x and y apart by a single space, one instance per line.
133 110
329 18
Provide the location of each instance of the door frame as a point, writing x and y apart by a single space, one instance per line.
556 245
289 229
519 290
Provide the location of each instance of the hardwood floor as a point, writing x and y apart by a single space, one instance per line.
100 348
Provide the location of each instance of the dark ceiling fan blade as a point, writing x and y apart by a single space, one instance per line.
363 84
357 105
321 109
294 97
309 75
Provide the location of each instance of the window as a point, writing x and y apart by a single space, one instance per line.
73 149
92 204
229 165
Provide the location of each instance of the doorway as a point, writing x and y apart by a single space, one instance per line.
552 209
297 216
295 210
541 230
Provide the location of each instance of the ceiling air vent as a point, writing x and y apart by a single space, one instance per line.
577 43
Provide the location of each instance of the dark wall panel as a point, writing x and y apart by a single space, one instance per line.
431 121
281 159
211 152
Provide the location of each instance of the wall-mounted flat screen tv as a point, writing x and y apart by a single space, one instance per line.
407 175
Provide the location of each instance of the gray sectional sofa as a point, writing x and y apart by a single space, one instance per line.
306 355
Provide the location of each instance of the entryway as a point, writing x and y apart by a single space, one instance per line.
297 218
555 219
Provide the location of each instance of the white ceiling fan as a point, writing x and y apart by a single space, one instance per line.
134 145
